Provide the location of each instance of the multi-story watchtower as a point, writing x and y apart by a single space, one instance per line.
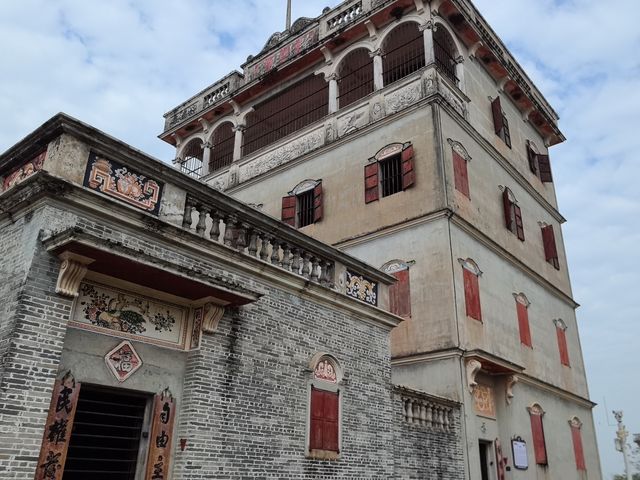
405 133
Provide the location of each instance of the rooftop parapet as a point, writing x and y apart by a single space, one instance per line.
310 41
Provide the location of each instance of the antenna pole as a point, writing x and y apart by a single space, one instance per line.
288 14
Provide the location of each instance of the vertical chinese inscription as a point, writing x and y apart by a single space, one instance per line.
57 432
161 437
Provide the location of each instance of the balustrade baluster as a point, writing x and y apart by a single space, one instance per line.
429 416
306 265
229 231
326 274
315 264
264 247
187 220
214 233
253 242
423 414
275 252
286 256
446 420
295 266
241 236
202 221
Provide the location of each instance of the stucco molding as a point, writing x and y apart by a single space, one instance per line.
72 271
473 366
510 382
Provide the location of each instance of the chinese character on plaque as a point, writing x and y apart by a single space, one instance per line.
123 361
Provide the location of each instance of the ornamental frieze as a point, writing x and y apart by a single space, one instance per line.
118 181
23 172
124 314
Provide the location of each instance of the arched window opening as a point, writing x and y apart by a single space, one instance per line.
286 112
403 52
356 77
222 151
191 163
446 53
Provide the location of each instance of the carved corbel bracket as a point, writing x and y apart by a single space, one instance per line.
510 383
371 28
474 49
419 6
205 125
211 318
473 367
72 271
328 56
503 81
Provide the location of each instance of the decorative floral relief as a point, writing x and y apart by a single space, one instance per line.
24 171
351 122
282 155
377 112
116 180
403 98
129 315
362 289
325 371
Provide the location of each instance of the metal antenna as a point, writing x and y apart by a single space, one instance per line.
288 14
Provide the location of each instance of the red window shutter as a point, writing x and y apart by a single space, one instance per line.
539 446
472 295
289 210
531 156
562 346
508 210
331 416
544 166
408 173
519 225
576 434
400 294
460 174
549 243
496 109
318 208
523 324
371 180
317 419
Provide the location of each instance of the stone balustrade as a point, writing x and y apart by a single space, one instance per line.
422 410
345 16
258 240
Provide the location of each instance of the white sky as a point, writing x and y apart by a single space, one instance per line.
121 64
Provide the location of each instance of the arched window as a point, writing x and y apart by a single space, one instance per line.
512 214
191 162
288 111
324 408
522 310
222 152
390 171
576 436
355 77
403 52
303 205
445 52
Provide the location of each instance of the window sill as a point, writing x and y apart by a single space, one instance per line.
323 455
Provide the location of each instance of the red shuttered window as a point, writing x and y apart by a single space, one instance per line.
512 214
537 432
561 331
400 294
391 171
460 174
325 414
471 272
305 207
550 249
576 435
522 307
539 164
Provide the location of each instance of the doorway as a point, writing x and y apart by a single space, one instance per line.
485 450
106 436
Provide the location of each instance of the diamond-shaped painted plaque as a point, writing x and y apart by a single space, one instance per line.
123 361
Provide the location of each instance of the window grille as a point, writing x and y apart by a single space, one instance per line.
445 53
305 208
403 52
288 111
192 159
391 175
223 143
356 77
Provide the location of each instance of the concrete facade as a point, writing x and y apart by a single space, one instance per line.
432 226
